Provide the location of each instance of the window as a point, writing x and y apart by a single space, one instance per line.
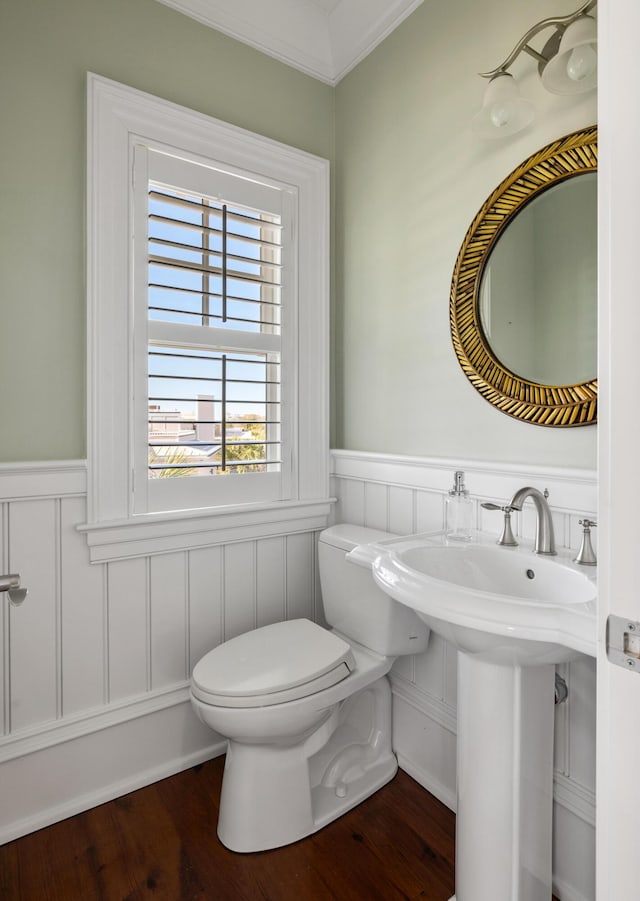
207 327
214 309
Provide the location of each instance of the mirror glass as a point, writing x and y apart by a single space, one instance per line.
538 295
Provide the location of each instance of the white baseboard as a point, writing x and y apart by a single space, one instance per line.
106 793
566 892
575 798
424 743
426 780
561 888
441 713
55 781
77 766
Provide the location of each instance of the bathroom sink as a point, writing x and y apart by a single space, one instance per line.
513 615
506 605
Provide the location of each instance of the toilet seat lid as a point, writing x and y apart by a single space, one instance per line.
273 660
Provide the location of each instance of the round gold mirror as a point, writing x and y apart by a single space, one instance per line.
523 294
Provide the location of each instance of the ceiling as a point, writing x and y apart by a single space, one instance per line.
323 38
326 6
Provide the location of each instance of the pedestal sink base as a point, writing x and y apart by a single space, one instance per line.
512 614
505 781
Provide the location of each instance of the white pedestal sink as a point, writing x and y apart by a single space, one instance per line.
512 615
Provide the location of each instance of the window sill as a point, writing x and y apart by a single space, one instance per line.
161 533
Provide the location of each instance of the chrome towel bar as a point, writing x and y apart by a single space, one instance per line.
11 584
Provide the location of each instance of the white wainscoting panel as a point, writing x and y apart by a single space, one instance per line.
407 494
128 629
34 628
84 616
272 582
206 591
299 576
239 562
95 663
168 591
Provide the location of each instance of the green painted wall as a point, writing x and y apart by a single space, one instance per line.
410 177
46 48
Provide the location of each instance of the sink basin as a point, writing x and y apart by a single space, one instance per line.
507 605
512 615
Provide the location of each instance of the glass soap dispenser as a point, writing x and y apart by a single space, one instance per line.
459 511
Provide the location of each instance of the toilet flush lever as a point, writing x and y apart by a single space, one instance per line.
11 584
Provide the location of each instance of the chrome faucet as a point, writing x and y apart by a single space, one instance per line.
545 542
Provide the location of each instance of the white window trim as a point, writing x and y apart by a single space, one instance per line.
118 117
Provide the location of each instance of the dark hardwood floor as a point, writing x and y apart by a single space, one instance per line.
160 843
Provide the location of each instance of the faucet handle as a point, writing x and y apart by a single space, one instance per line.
505 509
588 523
586 555
507 538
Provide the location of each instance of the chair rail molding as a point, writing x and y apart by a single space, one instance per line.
55 478
569 488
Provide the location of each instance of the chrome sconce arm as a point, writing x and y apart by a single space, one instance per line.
560 23
11 584
567 64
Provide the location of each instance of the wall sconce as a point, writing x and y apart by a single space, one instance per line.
567 64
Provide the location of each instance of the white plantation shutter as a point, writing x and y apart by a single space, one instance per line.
215 325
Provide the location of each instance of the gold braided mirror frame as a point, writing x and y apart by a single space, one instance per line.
562 405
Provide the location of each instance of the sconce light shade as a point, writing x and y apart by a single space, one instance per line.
574 68
504 112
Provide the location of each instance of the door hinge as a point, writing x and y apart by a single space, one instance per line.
623 642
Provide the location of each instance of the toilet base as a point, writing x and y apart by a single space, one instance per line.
273 795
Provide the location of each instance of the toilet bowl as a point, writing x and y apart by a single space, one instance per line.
307 710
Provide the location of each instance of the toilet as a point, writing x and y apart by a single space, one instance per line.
307 710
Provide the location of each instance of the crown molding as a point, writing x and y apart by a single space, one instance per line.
323 40
356 27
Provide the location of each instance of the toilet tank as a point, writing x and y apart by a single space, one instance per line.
353 603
